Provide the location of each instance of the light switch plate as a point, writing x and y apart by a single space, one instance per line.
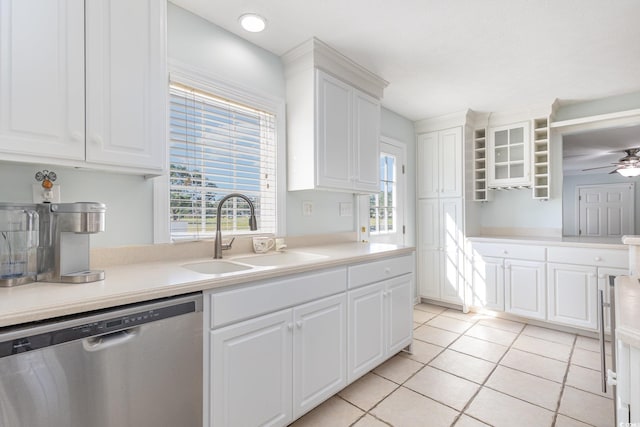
39 194
307 208
346 209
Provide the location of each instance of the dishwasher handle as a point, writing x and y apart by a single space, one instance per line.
103 342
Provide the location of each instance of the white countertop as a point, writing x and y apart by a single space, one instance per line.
573 241
125 284
627 291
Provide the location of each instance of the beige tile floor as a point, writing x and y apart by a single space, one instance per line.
471 370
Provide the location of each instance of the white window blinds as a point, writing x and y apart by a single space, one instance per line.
218 147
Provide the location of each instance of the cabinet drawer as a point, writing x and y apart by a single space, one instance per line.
267 296
507 250
371 272
586 256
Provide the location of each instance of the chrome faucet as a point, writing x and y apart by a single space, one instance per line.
253 224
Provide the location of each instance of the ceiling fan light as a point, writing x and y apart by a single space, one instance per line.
629 172
252 22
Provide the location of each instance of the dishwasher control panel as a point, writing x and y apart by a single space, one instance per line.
29 342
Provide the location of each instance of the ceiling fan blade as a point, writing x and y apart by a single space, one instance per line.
599 167
614 171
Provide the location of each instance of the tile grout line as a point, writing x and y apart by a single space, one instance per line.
564 382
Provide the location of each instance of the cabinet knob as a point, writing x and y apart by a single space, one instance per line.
597 258
385 294
600 276
592 274
387 270
97 140
290 326
505 252
299 324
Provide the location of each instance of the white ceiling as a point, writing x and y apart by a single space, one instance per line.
444 56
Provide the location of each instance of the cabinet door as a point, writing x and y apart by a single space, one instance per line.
524 287
366 142
603 284
450 162
428 167
429 249
488 283
509 155
366 347
572 295
452 239
42 78
399 301
334 154
126 83
319 348
250 372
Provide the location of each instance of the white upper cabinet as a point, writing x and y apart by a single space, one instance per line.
440 160
42 78
103 65
509 155
333 121
126 83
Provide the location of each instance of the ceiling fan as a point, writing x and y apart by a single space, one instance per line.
627 166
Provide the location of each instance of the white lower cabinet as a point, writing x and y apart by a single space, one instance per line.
524 288
572 295
277 348
627 404
380 323
272 369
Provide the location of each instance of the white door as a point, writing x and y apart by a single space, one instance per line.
524 288
430 249
250 372
450 162
384 212
319 346
451 241
488 283
126 83
572 294
399 318
334 133
606 210
366 347
366 136
42 78
427 165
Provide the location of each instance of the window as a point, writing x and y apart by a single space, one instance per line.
382 206
217 147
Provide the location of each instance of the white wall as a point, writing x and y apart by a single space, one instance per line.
196 42
129 199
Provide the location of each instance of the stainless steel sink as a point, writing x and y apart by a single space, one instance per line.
280 259
216 267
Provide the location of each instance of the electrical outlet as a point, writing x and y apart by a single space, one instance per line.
307 208
40 194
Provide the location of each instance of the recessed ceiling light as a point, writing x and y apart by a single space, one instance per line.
252 22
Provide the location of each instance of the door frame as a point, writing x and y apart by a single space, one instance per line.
632 212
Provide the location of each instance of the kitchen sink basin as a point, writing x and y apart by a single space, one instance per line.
216 267
280 259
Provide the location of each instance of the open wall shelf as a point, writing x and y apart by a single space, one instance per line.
541 178
480 190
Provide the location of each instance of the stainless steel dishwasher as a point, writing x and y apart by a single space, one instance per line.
138 365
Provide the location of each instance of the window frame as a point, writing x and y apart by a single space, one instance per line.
208 82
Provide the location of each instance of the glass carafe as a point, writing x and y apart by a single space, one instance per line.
18 245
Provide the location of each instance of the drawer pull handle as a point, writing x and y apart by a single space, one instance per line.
597 258
387 270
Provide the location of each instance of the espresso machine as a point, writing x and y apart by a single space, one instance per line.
63 253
